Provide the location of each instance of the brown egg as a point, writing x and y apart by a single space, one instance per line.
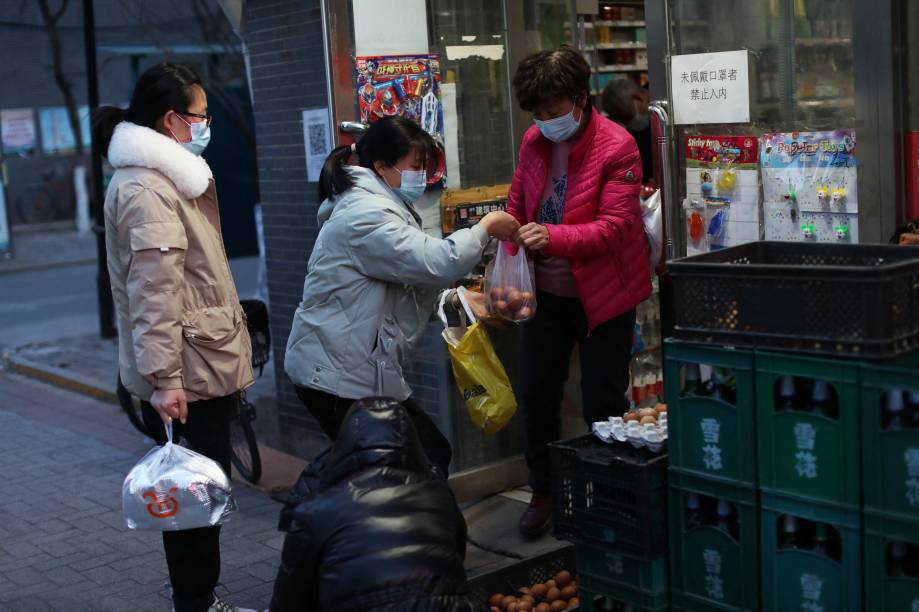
524 313
497 293
524 590
543 607
661 408
559 605
514 302
574 603
648 419
500 306
550 584
553 594
524 606
568 592
529 598
508 600
631 416
526 295
539 590
495 600
511 607
563 579
647 412
495 609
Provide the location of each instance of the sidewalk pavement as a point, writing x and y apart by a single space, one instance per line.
49 249
63 543
88 364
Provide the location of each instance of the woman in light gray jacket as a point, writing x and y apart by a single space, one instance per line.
374 276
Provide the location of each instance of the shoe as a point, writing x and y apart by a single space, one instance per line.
537 517
220 605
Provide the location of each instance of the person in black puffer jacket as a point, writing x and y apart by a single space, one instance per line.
373 525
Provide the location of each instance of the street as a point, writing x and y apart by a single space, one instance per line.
47 304
63 543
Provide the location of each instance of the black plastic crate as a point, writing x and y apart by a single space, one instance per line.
611 495
821 298
563 458
508 579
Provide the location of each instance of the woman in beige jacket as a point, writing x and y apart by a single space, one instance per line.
183 344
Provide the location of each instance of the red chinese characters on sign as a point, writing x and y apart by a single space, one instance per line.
162 505
400 85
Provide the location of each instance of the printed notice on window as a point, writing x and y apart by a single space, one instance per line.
710 88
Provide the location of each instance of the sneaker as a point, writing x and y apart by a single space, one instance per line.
220 605
537 517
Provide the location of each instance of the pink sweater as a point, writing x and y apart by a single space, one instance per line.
601 234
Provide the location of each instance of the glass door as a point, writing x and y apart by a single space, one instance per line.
744 181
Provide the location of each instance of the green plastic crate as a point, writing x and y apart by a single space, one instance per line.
802 453
884 592
710 437
890 459
708 566
620 569
681 603
794 579
590 588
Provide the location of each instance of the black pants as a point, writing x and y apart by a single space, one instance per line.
548 341
330 411
193 555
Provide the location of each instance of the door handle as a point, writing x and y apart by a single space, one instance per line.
353 127
660 130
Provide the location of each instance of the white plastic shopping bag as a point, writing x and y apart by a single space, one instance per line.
653 220
510 292
173 488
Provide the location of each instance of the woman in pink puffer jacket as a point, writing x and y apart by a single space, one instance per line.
575 194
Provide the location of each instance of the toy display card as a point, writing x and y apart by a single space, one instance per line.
810 189
401 85
722 192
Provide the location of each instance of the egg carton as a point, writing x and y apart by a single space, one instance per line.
650 435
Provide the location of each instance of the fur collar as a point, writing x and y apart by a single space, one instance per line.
135 145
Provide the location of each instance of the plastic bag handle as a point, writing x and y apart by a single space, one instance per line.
169 432
461 294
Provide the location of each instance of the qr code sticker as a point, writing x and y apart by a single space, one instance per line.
317 138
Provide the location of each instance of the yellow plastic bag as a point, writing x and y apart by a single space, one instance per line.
479 373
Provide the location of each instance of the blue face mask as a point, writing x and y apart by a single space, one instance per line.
200 136
414 183
561 128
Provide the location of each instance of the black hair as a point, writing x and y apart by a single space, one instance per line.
545 76
160 89
388 140
618 97
910 228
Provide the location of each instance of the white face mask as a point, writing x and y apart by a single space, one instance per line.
413 185
561 128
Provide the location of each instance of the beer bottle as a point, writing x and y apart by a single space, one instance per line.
789 533
912 415
893 410
821 540
693 384
693 514
822 400
787 395
725 520
896 560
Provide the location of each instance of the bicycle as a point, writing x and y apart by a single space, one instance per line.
245 454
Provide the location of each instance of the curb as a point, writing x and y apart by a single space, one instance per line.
58 377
